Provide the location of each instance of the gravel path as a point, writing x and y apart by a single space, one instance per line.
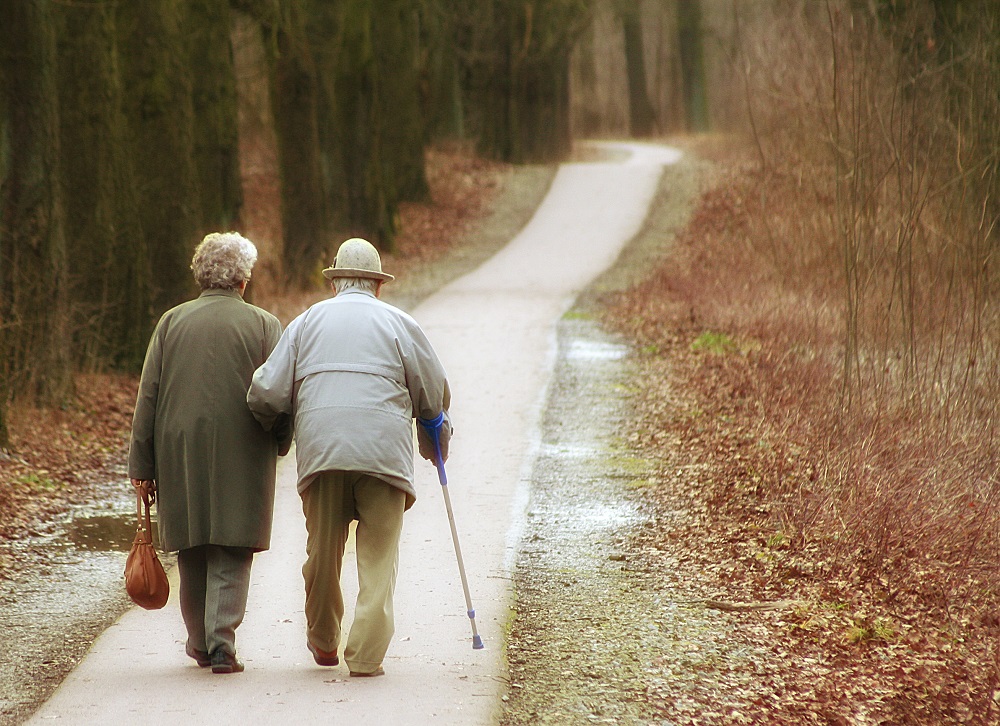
607 628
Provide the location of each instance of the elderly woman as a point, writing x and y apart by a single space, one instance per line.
212 463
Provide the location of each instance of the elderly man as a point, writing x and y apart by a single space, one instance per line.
354 371
192 434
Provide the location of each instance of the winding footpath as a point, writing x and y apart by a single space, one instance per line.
494 329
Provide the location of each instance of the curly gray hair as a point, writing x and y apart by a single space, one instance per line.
223 260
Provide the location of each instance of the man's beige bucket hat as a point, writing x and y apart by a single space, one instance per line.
357 258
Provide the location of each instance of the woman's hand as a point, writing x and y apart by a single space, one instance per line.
147 486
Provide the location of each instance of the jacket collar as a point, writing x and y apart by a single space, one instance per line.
219 291
354 291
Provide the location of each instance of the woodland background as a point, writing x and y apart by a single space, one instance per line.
832 308
125 129
125 135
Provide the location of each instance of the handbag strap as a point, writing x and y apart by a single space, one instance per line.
143 523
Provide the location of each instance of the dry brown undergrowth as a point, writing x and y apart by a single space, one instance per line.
795 499
57 455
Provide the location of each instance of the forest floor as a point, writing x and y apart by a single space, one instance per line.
759 631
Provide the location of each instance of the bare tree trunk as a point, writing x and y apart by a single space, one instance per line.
642 118
370 198
490 91
6 303
206 30
260 215
690 42
33 261
440 77
519 71
156 69
296 105
111 274
372 125
337 148
397 99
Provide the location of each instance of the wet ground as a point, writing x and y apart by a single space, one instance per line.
606 629
610 624
69 590
576 647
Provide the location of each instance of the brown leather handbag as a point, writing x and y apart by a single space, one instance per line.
145 580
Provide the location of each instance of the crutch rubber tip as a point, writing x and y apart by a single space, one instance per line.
477 642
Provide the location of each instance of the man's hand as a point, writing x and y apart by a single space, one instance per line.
283 433
425 442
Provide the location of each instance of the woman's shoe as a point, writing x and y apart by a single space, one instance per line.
203 658
225 662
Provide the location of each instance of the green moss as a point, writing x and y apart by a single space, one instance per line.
638 484
39 483
714 343
777 540
627 464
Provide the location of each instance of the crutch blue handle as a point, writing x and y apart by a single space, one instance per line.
433 428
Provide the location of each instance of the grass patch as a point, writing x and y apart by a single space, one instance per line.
714 343
39 483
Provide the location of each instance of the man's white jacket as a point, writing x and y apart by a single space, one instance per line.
353 372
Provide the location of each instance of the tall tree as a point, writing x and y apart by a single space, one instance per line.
360 130
110 290
159 107
518 75
336 147
305 212
207 28
5 327
396 40
691 45
642 118
33 260
440 77
260 212
372 124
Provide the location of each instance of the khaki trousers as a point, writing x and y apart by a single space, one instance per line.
330 503
213 596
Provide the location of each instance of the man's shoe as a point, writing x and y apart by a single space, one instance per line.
323 657
380 671
203 658
225 662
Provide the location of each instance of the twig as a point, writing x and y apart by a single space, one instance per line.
729 607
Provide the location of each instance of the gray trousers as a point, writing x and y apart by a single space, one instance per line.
213 596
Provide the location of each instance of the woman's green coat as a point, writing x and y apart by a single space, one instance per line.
192 431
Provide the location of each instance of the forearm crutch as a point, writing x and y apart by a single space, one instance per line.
433 429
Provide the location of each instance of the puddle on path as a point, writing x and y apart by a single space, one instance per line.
68 588
595 350
101 532
575 641
599 634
